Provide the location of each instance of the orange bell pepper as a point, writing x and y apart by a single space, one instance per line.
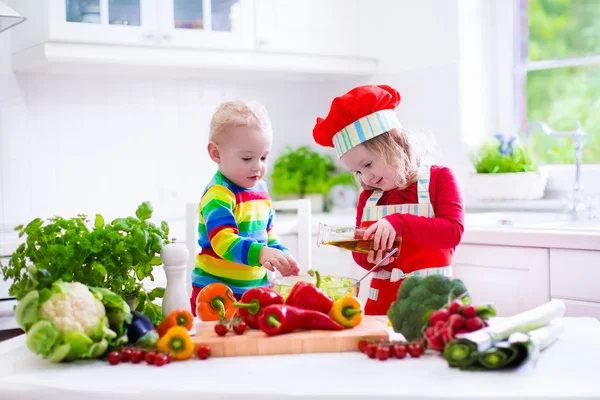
176 318
178 342
214 302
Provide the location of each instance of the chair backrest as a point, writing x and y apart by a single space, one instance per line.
302 223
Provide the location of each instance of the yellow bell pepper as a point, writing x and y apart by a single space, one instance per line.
178 342
347 311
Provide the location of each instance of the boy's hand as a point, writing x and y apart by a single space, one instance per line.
273 259
385 234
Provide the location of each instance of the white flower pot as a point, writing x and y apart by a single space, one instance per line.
509 186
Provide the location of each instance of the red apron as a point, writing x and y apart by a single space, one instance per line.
414 258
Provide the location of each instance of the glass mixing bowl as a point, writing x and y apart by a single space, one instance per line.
334 286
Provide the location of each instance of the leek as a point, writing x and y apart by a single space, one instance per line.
518 348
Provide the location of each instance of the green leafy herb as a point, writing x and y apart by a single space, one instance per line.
116 256
503 155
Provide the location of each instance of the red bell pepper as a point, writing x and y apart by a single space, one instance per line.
277 319
253 301
308 296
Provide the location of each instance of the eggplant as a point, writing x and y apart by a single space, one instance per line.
140 331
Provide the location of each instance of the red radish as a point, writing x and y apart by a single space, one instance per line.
456 321
473 324
439 315
469 311
439 325
430 331
447 335
435 342
455 307
463 330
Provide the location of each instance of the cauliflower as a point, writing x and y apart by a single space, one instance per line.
71 321
75 310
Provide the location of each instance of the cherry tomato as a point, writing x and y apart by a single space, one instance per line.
160 360
362 345
203 351
149 357
126 354
168 357
370 350
221 329
415 350
399 350
239 326
136 356
382 353
114 357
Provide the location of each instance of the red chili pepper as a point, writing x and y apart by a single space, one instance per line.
308 296
253 301
283 318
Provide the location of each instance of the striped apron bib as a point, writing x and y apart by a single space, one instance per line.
414 258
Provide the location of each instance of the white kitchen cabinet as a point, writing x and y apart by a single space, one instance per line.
283 38
576 308
575 279
513 279
309 26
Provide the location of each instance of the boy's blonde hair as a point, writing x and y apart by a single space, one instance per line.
239 113
397 150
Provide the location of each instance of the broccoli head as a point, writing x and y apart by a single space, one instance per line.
417 297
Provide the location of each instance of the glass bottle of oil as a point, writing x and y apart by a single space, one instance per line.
348 238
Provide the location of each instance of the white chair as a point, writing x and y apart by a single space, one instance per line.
300 225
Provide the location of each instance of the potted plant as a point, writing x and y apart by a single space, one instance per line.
116 255
302 173
506 170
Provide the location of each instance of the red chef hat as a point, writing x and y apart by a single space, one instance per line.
361 114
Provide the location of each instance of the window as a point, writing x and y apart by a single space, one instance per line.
557 74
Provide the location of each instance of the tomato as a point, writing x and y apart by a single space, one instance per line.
362 345
125 354
382 352
136 356
203 351
221 329
399 350
160 360
114 357
370 350
149 357
415 350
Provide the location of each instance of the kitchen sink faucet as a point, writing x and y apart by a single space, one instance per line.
578 205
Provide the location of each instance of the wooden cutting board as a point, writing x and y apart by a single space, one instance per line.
257 343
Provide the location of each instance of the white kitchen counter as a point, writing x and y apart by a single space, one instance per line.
523 229
568 369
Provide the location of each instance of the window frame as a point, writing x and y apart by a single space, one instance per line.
511 98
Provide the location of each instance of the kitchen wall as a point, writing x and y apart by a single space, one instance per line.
104 144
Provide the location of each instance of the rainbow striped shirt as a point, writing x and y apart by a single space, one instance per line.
233 226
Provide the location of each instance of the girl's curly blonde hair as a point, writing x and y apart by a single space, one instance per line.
239 113
398 150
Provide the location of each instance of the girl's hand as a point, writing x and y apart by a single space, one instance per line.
375 256
385 234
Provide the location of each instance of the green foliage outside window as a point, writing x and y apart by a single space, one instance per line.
563 96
